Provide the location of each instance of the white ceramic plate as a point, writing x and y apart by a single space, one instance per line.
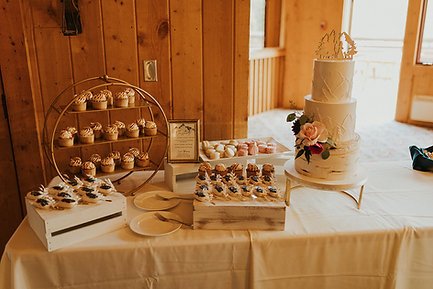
150 202
147 224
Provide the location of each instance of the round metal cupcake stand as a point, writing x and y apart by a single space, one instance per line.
295 180
58 109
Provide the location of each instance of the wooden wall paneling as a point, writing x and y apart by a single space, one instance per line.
250 87
11 212
218 43
121 55
272 30
187 60
281 72
241 68
256 85
19 99
261 85
269 83
408 60
306 22
153 39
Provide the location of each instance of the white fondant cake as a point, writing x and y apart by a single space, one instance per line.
331 104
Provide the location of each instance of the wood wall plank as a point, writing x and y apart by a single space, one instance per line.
11 211
187 59
241 68
218 43
306 22
19 98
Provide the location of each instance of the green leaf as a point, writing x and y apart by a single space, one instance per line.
303 119
291 117
307 155
325 154
300 153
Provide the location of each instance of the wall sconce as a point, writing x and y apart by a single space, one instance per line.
71 24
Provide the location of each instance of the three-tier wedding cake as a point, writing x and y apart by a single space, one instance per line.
326 142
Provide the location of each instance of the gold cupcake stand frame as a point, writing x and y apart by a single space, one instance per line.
62 106
295 180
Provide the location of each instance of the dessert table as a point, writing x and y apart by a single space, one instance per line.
327 243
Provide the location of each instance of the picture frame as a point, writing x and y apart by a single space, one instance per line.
184 140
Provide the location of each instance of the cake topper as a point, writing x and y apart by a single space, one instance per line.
336 46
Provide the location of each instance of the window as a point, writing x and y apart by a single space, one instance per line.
265 23
425 52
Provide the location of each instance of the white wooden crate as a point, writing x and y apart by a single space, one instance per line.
239 215
61 228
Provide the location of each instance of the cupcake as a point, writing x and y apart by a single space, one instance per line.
134 151
80 101
75 165
107 165
73 131
252 170
121 128
111 132
116 157
86 135
268 170
96 159
150 128
132 130
108 96
220 169
142 160
141 122
97 129
127 161
131 95
88 168
205 168
236 169
121 99
99 101
65 138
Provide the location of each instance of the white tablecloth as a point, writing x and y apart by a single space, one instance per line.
328 243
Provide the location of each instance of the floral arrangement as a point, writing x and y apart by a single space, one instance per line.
311 136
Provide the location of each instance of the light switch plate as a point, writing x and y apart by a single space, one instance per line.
150 70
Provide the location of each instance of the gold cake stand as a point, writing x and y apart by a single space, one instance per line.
296 180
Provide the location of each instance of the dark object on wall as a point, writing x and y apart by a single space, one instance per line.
71 24
420 160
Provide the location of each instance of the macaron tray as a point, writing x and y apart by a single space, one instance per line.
238 149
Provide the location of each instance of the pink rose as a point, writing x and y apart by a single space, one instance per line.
311 133
316 149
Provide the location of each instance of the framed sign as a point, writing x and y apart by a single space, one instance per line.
184 138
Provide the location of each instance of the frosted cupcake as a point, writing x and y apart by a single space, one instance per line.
132 130
88 168
236 169
107 165
86 135
268 170
134 151
116 157
141 122
99 101
220 169
65 138
127 161
75 165
150 128
96 159
131 95
108 95
205 168
73 131
97 129
252 170
121 99
111 132
80 101
121 128
142 160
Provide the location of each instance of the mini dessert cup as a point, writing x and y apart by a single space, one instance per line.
97 129
66 138
107 165
121 100
142 160
111 132
132 130
87 136
75 165
82 106
99 104
88 168
127 161
150 128
121 128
